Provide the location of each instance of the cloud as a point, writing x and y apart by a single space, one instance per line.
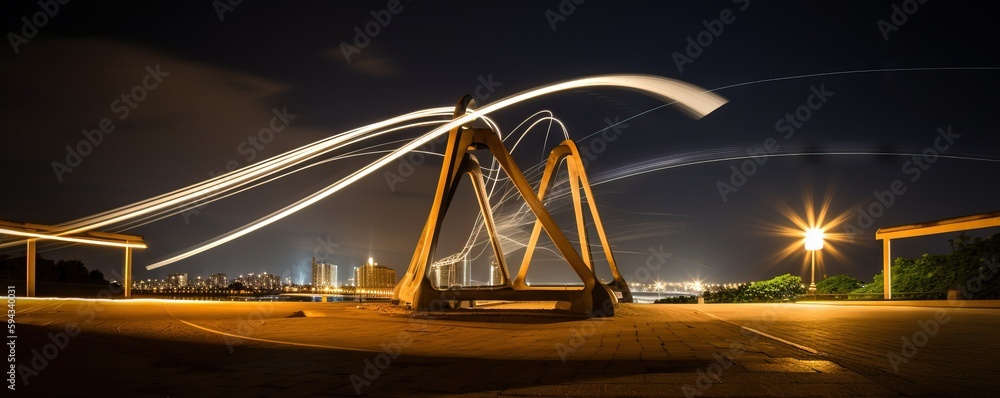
190 125
369 62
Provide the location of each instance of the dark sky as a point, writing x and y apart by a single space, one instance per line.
226 74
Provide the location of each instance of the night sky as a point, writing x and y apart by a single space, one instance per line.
220 73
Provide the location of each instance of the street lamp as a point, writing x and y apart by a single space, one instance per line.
814 243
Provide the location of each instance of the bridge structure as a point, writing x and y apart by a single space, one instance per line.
593 298
415 289
649 297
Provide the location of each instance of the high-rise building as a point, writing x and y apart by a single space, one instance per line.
178 279
466 274
218 280
458 273
496 276
442 275
374 275
263 281
324 274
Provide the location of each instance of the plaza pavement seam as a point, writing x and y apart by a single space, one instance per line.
775 338
267 340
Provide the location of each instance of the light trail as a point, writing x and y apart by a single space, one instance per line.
796 77
91 241
223 186
240 176
675 162
218 185
693 100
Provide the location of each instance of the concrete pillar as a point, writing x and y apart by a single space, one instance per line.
30 287
128 272
886 270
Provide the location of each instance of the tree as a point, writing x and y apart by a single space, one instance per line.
780 288
838 284
96 276
72 271
677 300
972 269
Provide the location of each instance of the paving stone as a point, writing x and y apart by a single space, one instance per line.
645 351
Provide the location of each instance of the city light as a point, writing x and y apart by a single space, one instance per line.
814 239
809 229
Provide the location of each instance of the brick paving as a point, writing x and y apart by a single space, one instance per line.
159 348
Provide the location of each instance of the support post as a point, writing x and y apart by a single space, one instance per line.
30 287
886 270
128 272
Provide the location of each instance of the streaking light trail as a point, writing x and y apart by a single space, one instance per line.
691 99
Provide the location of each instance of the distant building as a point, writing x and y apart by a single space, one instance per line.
218 280
465 272
496 275
442 275
374 275
458 273
324 274
178 280
263 281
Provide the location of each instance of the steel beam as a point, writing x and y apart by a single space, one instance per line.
594 298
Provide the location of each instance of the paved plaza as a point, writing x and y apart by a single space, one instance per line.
160 348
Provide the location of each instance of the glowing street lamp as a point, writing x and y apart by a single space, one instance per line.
659 286
814 243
